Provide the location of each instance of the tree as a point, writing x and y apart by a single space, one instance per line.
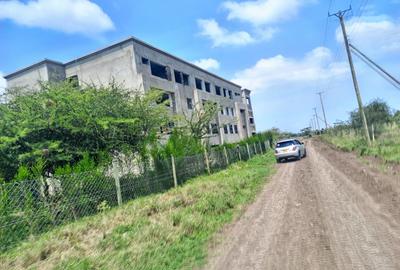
198 122
306 131
188 136
396 117
377 112
62 122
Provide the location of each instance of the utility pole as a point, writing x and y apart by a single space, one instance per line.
312 126
340 14
316 117
313 123
323 109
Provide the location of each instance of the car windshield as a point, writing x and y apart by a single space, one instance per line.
284 144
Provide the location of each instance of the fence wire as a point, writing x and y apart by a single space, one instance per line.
36 206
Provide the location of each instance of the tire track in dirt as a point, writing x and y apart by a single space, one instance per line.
312 215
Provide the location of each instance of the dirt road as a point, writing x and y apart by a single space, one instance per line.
327 211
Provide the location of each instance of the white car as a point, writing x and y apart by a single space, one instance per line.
289 148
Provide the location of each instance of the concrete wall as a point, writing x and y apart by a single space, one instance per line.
122 62
249 111
29 79
101 68
42 71
55 72
182 92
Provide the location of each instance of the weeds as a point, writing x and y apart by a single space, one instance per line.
386 145
163 231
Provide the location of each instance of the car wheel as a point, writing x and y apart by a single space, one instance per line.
305 153
278 160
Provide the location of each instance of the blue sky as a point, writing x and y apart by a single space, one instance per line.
283 50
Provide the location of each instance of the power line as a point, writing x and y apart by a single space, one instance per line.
376 70
338 52
357 22
325 35
376 67
326 24
322 120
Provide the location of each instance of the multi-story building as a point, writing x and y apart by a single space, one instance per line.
140 66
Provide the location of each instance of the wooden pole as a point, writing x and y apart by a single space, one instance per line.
373 132
340 15
118 188
248 150
174 171
226 156
266 146
207 160
115 172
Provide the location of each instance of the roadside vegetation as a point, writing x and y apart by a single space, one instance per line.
70 151
60 127
164 231
384 127
57 126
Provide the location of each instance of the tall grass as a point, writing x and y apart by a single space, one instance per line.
164 231
385 146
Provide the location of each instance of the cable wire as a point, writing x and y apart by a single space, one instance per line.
375 69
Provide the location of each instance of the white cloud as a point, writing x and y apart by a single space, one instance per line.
375 35
279 72
221 36
69 16
284 88
265 33
207 63
262 12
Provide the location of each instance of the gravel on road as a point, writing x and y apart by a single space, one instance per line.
326 211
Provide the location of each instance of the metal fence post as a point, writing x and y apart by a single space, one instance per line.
174 171
248 150
226 156
207 160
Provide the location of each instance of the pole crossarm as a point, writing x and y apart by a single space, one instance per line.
340 13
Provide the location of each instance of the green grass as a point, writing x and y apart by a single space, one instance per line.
164 231
386 145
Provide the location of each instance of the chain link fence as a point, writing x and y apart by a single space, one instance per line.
36 206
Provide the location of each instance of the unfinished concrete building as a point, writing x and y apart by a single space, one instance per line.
140 66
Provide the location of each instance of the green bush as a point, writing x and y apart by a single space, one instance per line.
61 122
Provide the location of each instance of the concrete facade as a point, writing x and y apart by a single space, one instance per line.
139 66
31 76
